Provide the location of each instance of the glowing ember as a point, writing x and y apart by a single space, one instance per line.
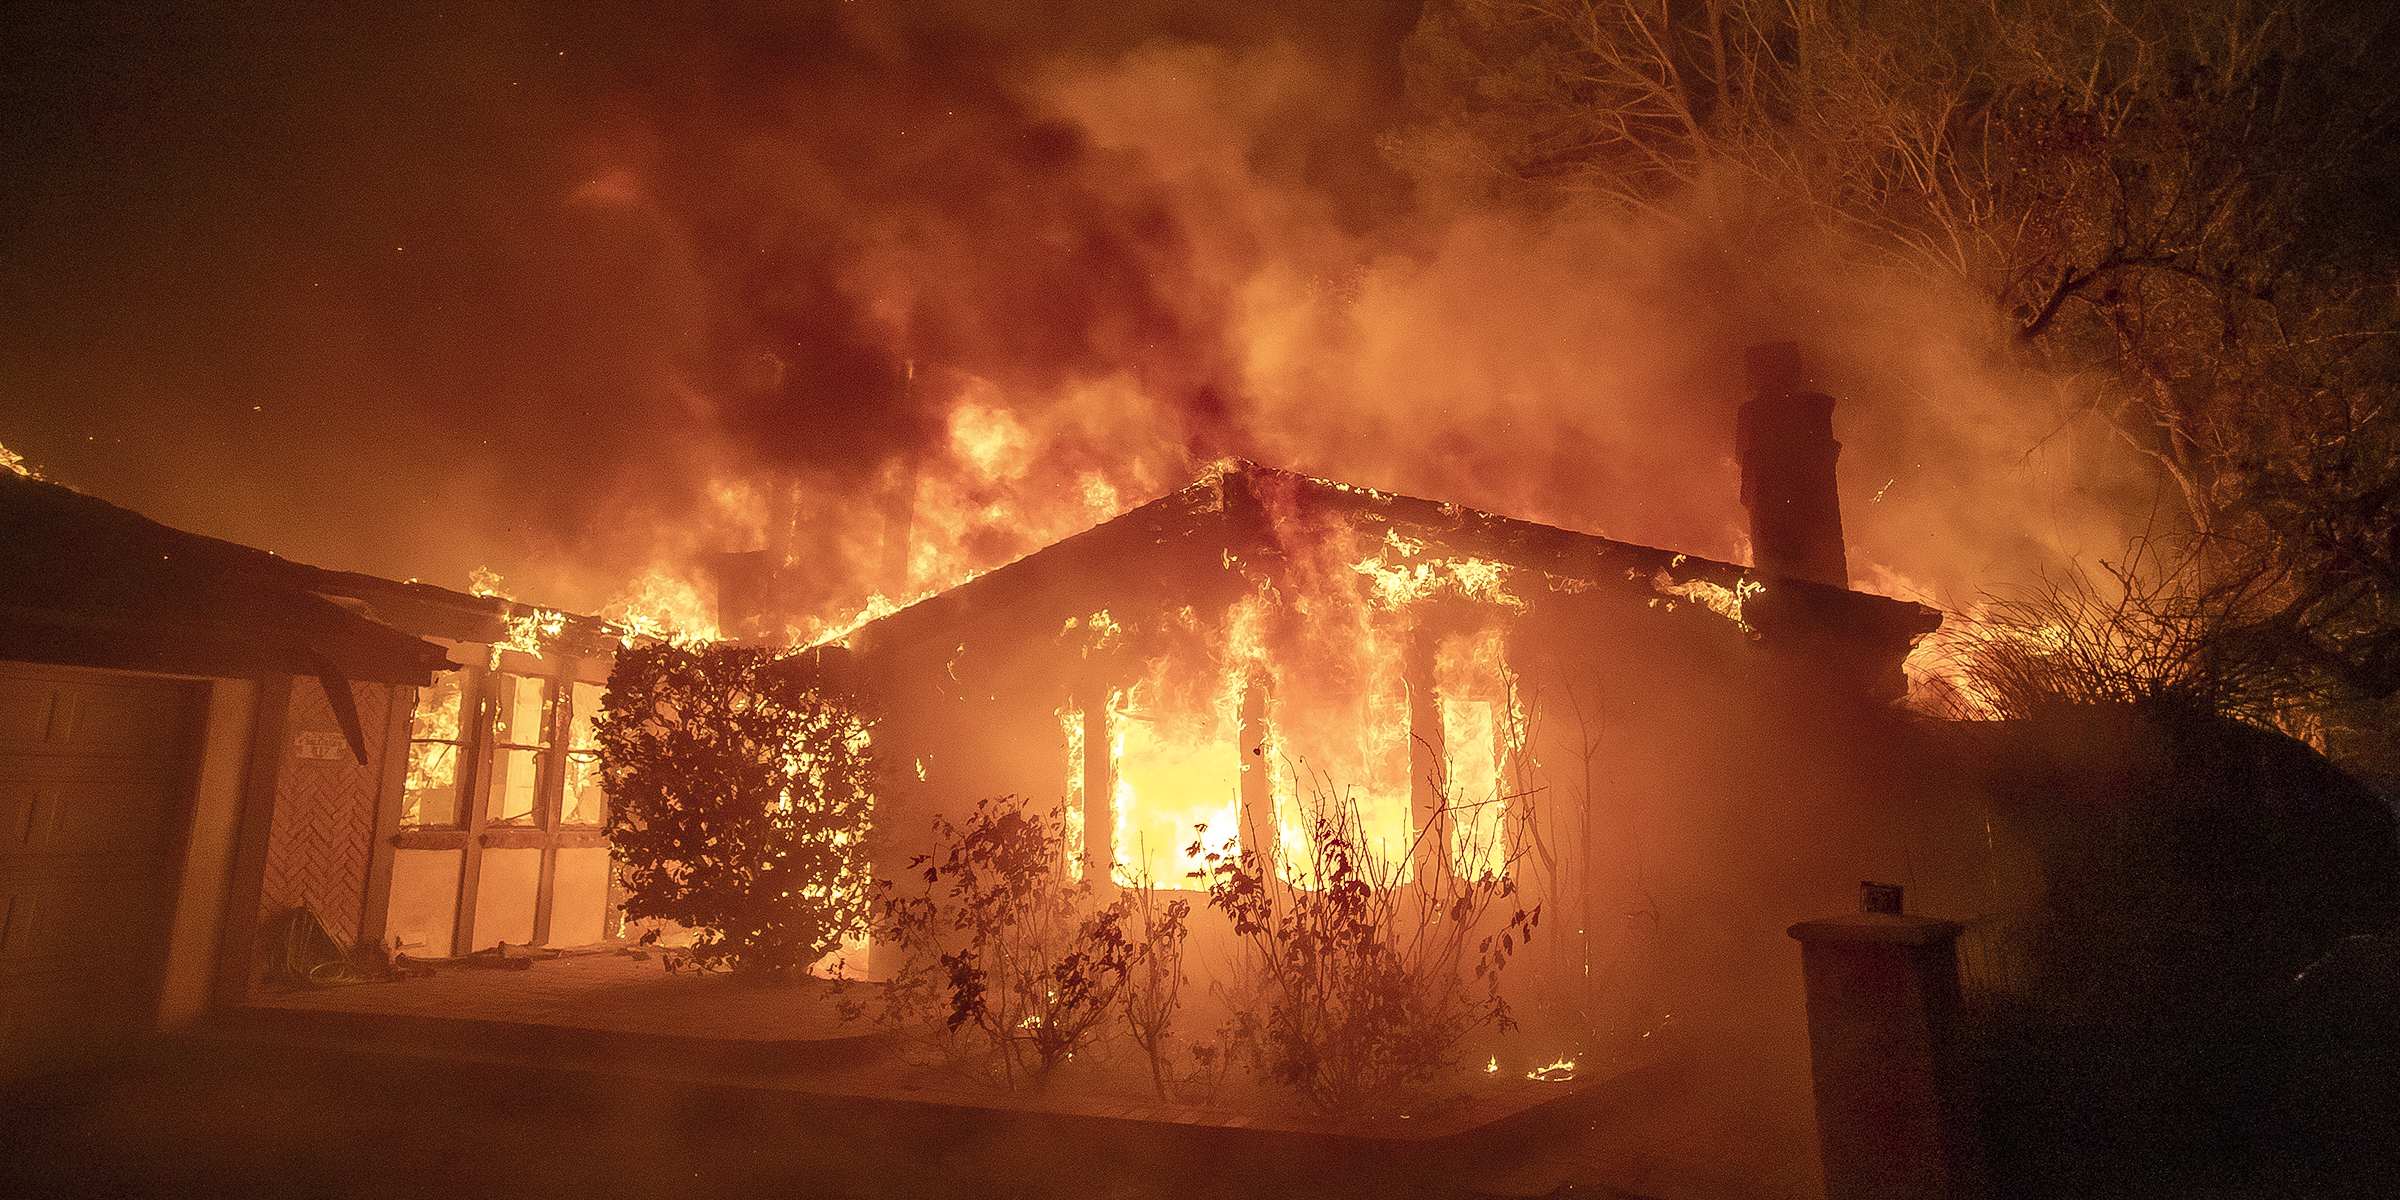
1724 601
529 631
877 606
1562 1071
1401 573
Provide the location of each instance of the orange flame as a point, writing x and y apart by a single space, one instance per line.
659 606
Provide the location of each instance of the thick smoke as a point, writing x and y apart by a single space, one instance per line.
1583 370
1137 253
578 292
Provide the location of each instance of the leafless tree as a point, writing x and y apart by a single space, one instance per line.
2188 207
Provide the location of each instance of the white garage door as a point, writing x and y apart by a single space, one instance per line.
96 774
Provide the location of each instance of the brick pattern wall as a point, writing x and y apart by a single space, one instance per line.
325 809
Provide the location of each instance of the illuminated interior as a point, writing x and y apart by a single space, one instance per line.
1176 758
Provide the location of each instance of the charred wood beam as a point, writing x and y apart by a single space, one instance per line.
1429 820
1259 830
1099 792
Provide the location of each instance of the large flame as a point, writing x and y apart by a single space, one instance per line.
663 606
1319 645
1480 726
1178 773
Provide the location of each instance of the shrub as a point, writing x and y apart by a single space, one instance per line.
1358 973
1004 960
1154 986
740 787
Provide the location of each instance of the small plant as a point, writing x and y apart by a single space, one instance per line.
1154 987
739 787
1213 1059
1006 963
1360 974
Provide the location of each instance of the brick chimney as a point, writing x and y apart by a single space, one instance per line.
1784 439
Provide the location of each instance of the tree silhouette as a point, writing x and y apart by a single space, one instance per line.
2186 205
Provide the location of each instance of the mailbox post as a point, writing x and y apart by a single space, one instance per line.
1895 1113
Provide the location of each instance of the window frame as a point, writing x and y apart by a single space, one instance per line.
474 830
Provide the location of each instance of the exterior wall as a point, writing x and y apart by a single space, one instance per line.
510 881
424 901
323 836
579 910
208 859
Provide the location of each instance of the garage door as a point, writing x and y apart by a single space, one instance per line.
96 773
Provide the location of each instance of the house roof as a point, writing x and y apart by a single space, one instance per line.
86 583
1192 539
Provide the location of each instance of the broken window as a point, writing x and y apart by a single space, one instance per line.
499 834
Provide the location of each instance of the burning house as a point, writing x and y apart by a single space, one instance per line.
1670 750
199 739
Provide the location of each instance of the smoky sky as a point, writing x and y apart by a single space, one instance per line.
581 293
416 288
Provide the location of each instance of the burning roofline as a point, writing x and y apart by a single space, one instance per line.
93 584
1224 500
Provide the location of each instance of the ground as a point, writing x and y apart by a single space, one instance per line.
607 1076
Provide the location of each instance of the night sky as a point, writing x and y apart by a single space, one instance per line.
562 290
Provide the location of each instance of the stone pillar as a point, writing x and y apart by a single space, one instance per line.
1895 1114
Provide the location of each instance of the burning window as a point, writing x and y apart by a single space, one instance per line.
521 770
1070 721
1182 741
1355 673
1341 750
586 802
1479 725
436 739
520 733
500 810
1177 769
